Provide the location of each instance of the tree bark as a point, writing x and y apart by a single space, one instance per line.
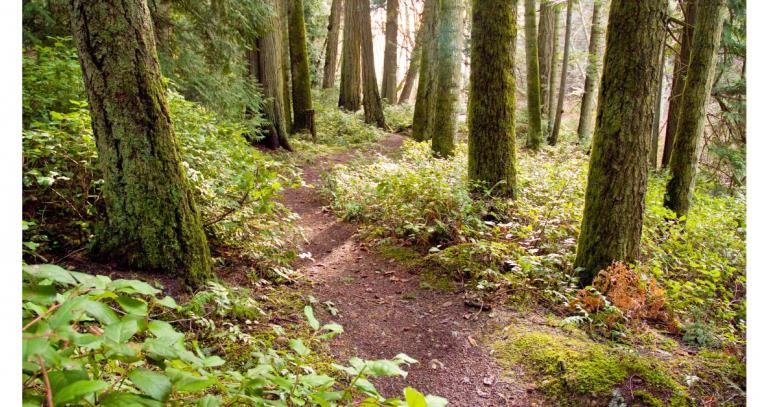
450 38
693 105
553 68
618 169
546 29
533 78
678 80
332 45
152 218
423 109
492 155
349 92
371 99
389 75
563 75
653 157
300 79
596 37
413 68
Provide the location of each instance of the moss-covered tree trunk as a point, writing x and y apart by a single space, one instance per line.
450 35
300 79
678 79
618 168
374 113
332 45
552 97
533 78
546 29
152 219
563 75
350 88
693 105
491 108
389 74
595 58
413 68
424 107
281 10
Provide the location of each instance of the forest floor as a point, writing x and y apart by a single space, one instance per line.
385 310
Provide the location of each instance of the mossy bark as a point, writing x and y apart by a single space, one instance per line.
491 107
332 45
693 105
618 169
350 88
450 39
300 80
374 113
152 219
554 135
389 74
546 31
595 58
678 79
424 107
551 103
413 68
533 78
281 10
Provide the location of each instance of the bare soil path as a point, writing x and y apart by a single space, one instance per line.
384 311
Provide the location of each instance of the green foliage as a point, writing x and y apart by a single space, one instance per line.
90 340
338 128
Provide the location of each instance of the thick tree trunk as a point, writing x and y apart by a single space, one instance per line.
413 68
653 157
349 92
332 45
618 169
152 219
371 99
693 105
533 78
546 30
563 75
586 119
450 37
492 156
389 75
678 80
300 79
553 68
424 107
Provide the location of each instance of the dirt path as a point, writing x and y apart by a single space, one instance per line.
380 320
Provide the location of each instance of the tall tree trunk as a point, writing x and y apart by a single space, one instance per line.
618 168
413 68
332 45
423 109
492 156
693 105
300 79
553 68
546 31
349 92
281 8
389 75
653 157
563 76
678 80
371 100
450 39
152 219
586 120
534 86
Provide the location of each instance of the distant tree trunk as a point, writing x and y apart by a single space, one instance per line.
423 109
152 218
653 158
546 30
678 80
413 68
349 92
563 75
281 8
450 38
332 45
300 79
491 108
586 120
553 68
693 105
371 100
389 75
618 169
534 86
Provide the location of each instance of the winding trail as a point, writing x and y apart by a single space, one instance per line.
385 312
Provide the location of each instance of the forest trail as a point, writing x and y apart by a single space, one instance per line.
384 311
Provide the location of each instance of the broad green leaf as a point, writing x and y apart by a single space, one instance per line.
153 384
100 311
121 332
134 286
128 400
414 398
77 390
298 346
366 387
213 361
435 401
164 330
187 382
135 306
209 400
49 271
41 294
316 380
168 302
60 379
381 368
311 320
69 311
90 281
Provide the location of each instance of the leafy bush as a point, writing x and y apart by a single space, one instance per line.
90 340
